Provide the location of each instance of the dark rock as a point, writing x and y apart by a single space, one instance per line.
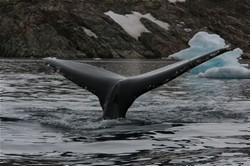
246 56
80 29
225 18
155 44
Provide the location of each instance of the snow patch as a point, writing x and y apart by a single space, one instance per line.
89 32
224 66
188 30
131 22
174 1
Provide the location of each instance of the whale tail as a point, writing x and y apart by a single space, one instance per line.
117 93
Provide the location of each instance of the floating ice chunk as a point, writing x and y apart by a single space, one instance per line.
227 72
49 58
227 59
245 65
202 43
131 22
223 66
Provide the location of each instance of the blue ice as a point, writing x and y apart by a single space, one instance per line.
225 66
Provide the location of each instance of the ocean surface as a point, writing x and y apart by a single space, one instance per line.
48 120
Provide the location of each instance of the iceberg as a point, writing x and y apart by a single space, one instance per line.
225 66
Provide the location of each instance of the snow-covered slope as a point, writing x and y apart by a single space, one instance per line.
131 22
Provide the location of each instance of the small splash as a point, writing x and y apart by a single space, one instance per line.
76 120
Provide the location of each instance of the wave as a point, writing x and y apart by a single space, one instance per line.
91 120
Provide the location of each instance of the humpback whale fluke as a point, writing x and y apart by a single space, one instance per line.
116 93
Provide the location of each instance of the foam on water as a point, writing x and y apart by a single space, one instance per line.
225 66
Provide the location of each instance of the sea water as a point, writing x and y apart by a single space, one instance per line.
48 120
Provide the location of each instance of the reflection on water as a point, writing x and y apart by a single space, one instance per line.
46 119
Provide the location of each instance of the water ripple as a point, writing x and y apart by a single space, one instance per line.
47 120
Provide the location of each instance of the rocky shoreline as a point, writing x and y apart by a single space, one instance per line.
81 29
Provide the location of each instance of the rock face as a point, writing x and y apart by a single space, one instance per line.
80 29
